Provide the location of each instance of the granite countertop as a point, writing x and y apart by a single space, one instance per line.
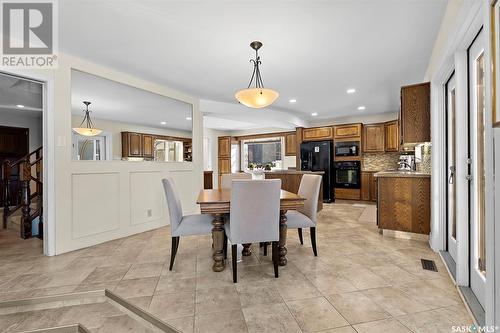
401 173
294 172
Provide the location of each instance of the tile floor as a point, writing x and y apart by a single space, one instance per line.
360 282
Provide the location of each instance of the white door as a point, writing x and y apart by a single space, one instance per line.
451 167
477 172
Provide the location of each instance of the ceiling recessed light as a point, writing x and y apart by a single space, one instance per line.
314 114
351 91
293 100
20 106
163 123
361 108
188 118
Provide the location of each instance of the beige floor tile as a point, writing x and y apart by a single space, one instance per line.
330 283
89 315
345 329
393 274
169 306
183 324
136 287
316 314
271 318
217 300
122 324
428 294
439 320
106 274
64 278
357 308
144 270
363 278
9 321
232 321
395 301
141 301
382 326
296 288
40 319
258 293
167 285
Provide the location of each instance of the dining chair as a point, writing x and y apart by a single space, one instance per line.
254 216
305 217
182 225
227 178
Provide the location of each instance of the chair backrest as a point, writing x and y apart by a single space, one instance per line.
255 211
173 202
309 189
227 178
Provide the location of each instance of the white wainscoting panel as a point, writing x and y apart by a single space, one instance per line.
147 201
96 203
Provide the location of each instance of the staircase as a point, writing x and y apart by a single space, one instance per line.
30 194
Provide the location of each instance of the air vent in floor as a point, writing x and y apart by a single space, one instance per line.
429 265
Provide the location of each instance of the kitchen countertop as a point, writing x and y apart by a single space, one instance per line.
294 172
401 173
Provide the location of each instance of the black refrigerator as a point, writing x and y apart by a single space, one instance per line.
318 156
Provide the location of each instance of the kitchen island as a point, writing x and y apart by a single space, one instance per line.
403 201
290 181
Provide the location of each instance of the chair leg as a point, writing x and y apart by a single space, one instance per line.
234 256
265 248
224 246
300 236
275 258
173 251
313 240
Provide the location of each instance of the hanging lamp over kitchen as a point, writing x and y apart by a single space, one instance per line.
258 96
86 127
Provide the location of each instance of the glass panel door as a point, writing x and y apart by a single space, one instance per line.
451 166
477 171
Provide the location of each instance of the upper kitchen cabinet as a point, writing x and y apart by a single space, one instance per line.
131 144
415 116
148 141
317 133
224 147
290 144
374 138
391 135
347 131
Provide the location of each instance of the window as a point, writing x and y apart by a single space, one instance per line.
262 152
89 148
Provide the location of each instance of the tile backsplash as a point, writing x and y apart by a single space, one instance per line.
423 157
380 162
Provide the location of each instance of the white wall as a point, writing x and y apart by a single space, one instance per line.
357 118
26 119
114 128
104 200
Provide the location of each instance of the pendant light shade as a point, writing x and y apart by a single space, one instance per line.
86 127
256 97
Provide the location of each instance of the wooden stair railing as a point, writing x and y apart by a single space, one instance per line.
25 171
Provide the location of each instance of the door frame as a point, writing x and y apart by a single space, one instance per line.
46 78
453 55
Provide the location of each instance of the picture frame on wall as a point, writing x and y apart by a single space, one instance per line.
495 60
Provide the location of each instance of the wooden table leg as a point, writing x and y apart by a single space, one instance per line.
218 240
246 250
282 248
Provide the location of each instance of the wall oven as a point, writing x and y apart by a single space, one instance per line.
348 174
347 148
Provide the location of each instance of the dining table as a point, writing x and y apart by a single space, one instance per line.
217 202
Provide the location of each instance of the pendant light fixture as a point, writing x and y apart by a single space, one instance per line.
86 127
258 96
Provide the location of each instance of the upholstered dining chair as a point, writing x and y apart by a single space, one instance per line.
182 225
254 216
305 217
227 178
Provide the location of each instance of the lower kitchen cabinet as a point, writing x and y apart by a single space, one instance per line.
368 186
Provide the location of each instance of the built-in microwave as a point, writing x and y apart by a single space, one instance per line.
347 148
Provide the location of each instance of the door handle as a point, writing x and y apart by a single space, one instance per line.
452 175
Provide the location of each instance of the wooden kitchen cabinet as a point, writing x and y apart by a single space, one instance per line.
415 114
373 187
317 133
404 204
131 144
391 135
148 142
290 144
347 131
365 185
374 138
224 146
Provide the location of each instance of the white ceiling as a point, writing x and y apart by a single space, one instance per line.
313 50
15 91
119 102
